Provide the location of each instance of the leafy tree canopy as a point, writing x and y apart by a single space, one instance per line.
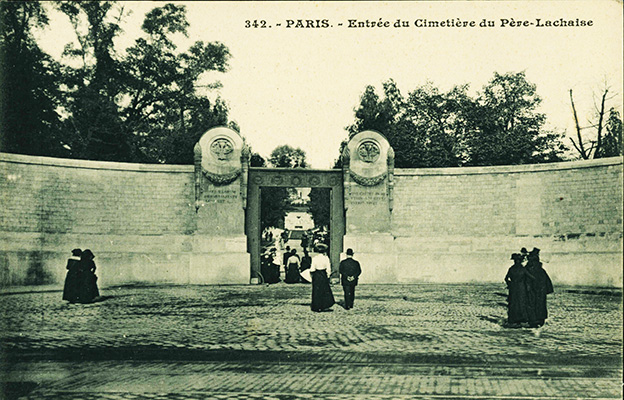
286 156
431 128
150 103
319 206
276 200
29 94
612 145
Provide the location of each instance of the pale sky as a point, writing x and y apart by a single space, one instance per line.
299 86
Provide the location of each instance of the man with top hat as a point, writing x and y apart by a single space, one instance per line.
349 270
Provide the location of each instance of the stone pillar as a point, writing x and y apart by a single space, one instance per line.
219 244
368 167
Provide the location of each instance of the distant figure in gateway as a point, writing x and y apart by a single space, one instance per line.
292 268
269 268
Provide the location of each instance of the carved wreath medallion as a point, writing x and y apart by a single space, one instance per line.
364 181
222 179
315 180
222 148
368 151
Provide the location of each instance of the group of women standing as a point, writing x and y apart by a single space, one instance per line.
81 281
528 285
304 269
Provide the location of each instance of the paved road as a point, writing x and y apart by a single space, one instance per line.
263 342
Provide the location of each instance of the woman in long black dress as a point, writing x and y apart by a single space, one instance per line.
322 296
306 260
266 263
538 289
88 288
292 268
72 280
516 278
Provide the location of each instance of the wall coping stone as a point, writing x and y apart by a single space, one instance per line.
497 169
510 169
86 164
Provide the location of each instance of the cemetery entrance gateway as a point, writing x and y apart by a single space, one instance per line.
227 238
282 177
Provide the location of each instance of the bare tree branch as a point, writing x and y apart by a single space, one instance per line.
575 146
600 119
580 147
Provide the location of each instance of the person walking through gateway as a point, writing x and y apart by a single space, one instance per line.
517 302
349 272
292 268
72 280
322 296
537 290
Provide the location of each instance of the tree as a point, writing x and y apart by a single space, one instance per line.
438 123
97 129
167 110
612 145
149 105
602 144
286 156
276 200
256 160
29 80
319 206
506 126
426 129
431 128
373 113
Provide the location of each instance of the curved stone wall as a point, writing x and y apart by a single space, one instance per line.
448 225
462 224
136 218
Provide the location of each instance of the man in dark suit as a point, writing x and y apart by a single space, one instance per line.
349 272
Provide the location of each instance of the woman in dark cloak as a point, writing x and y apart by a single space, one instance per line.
72 280
268 267
292 268
516 279
88 288
322 296
538 289
266 263
306 260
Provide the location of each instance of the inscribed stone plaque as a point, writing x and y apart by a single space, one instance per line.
366 196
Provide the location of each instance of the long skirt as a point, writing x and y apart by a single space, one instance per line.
89 289
292 274
518 303
71 287
322 296
270 273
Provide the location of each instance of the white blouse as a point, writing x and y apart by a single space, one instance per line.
320 263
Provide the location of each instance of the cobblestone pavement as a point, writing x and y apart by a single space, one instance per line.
263 342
